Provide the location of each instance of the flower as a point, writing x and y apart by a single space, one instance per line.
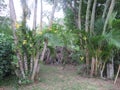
31 45
81 58
55 31
17 25
50 29
40 33
85 38
24 42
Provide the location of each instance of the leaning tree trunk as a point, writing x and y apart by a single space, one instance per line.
105 9
13 18
117 74
108 15
79 15
102 70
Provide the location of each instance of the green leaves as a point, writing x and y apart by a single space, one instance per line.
6 54
113 38
54 39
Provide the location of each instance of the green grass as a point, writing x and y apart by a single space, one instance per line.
54 78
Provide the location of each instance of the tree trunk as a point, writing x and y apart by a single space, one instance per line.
110 70
53 12
108 15
25 63
96 66
38 65
25 11
79 15
102 70
41 8
42 56
117 74
92 67
105 9
35 16
35 67
87 61
87 15
93 17
13 18
31 64
86 29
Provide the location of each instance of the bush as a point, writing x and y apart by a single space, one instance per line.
5 55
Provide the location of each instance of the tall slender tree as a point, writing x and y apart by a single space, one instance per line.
109 14
91 31
93 17
87 15
105 8
79 15
35 15
86 29
13 24
41 14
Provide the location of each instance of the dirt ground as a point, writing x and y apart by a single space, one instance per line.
55 78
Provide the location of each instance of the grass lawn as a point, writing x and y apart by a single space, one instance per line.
55 78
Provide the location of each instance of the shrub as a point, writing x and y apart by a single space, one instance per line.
5 55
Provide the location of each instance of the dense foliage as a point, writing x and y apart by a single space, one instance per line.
6 55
